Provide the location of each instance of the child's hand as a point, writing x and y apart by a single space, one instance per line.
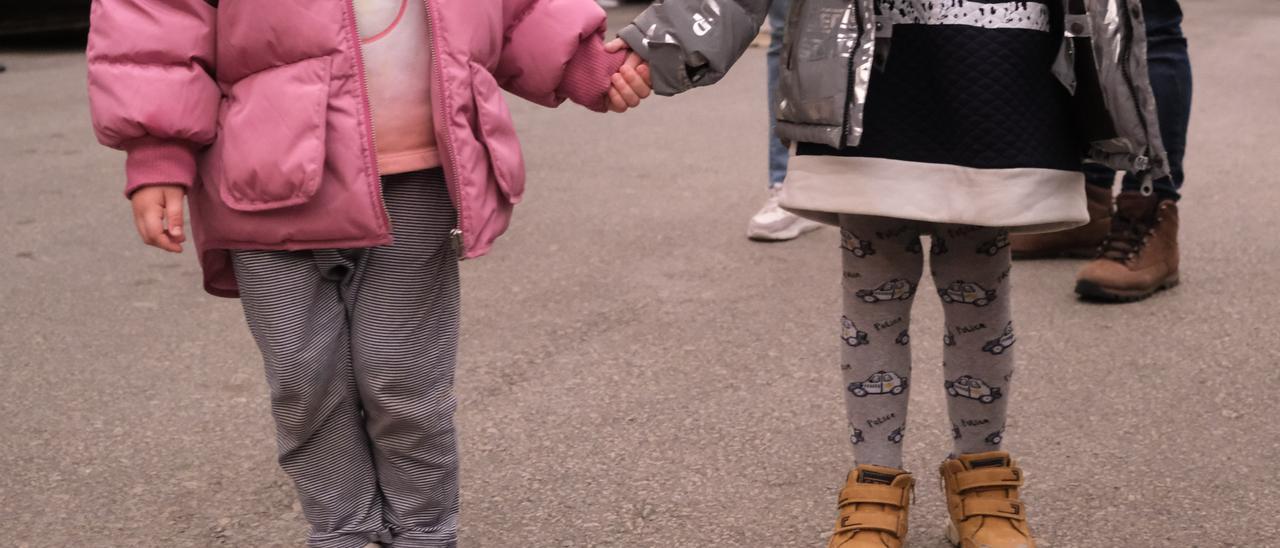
157 212
631 83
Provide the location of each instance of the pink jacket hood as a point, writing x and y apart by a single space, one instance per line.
259 109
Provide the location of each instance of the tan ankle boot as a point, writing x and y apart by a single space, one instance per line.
1079 243
982 499
873 508
1139 256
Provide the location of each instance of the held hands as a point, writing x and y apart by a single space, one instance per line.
632 83
157 212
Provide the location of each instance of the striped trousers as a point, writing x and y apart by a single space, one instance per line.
360 347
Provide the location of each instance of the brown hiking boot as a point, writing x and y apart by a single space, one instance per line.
873 508
1139 256
983 502
1078 243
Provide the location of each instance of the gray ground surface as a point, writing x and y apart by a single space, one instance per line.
634 372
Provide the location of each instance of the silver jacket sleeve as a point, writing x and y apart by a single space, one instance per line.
691 43
1120 47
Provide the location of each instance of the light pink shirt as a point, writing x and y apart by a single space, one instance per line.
397 57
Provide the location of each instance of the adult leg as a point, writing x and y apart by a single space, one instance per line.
404 305
971 269
772 223
1140 256
882 265
778 153
295 311
1169 66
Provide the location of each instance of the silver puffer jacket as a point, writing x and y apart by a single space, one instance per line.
831 47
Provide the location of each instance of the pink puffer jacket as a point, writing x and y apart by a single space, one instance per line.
258 107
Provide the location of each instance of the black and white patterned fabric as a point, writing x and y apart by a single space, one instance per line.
977 13
360 347
968 83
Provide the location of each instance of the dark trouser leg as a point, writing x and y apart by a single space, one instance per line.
778 153
1170 70
1169 67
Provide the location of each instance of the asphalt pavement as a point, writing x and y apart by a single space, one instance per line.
634 372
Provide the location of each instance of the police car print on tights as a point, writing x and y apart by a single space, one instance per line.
992 247
880 382
896 289
850 333
962 292
855 436
896 435
904 338
973 388
999 344
996 438
859 247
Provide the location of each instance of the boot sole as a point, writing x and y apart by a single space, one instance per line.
953 535
1090 291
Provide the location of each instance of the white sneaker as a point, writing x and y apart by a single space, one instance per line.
774 224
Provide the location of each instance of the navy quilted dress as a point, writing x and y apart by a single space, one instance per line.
968 83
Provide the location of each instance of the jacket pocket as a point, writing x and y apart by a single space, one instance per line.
498 134
813 83
271 140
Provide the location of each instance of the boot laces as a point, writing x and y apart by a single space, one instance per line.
1126 240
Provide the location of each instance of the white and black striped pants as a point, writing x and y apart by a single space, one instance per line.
360 347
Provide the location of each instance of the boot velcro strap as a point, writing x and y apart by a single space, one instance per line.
888 522
989 477
1002 508
875 494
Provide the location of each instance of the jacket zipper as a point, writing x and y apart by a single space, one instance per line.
440 97
850 100
1142 162
372 143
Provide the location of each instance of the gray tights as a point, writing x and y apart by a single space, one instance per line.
883 260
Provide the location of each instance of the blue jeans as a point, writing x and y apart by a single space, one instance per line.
778 151
1170 70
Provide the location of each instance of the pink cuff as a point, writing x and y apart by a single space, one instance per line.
155 161
586 78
